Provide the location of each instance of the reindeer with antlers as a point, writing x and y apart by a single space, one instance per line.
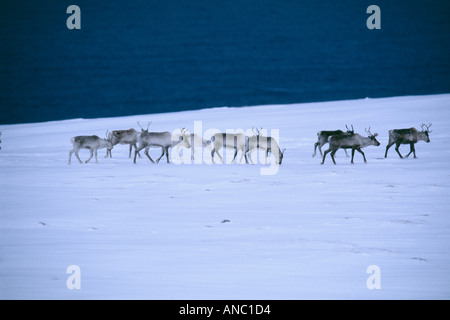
322 138
408 136
165 140
354 142
126 137
258 141
92 143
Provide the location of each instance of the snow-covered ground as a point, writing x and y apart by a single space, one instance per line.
206 231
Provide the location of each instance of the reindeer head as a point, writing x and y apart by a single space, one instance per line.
373 137
142 129
425 131
185 138
281 156
108 139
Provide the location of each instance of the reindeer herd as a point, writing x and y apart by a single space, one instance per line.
336 139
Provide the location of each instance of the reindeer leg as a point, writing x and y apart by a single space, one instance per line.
135 147
396 149
346 154
325 155
212 154
146 153
136 153
242 156
70 156
78 157
332 155
411 149
353 155
250 156
364 156
131 148
235 154
162 154
167 154
96 158
390 144
220 156
320 149
92 154
315 149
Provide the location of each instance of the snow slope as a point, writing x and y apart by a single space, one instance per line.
205 231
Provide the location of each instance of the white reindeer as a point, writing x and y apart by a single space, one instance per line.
197 144
91 143
268 144
165 140
234 141
129 137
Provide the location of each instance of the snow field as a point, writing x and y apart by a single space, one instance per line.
205 231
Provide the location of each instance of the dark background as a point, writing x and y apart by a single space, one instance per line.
145 56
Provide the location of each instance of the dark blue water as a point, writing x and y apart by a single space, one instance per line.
146 56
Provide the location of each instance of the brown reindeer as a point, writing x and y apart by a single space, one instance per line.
354 142
407 136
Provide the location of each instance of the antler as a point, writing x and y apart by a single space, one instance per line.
368 132
183 130
350 131
148 125
427 127
257 131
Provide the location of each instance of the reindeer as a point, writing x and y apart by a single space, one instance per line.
322 138
408 136
258 141
92 143
197 143
354 142
165 140
234 141
126 137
